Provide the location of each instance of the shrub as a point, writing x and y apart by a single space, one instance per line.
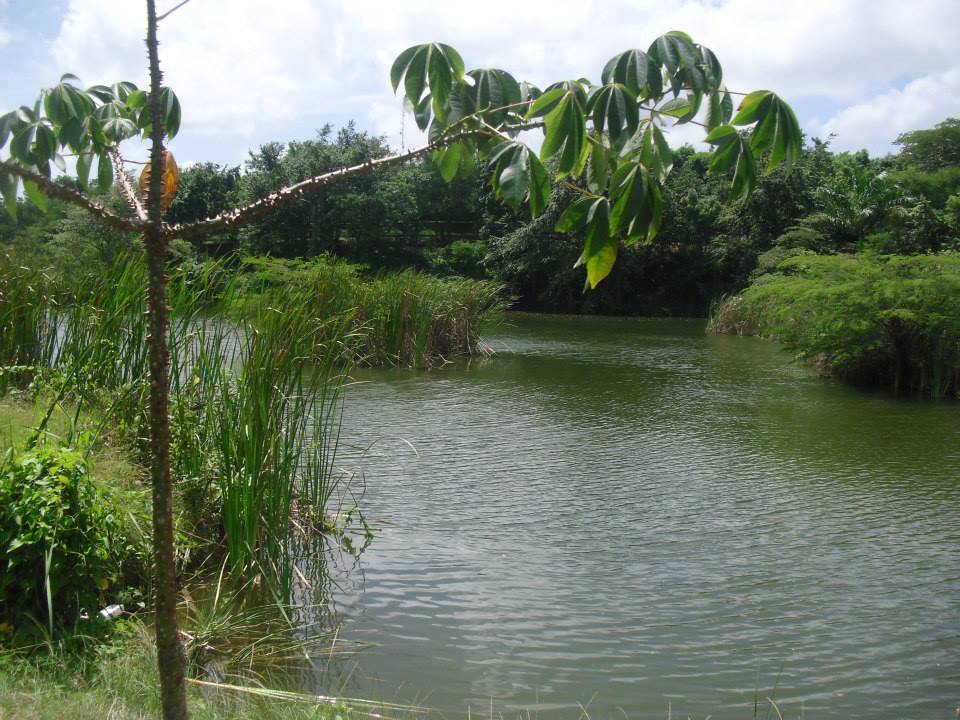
878 320
58 542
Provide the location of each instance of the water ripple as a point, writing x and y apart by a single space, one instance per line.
637 511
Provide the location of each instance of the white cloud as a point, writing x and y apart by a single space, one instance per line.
243 68
875 123
4 35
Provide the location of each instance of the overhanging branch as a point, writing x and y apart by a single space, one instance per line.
61 192
242 215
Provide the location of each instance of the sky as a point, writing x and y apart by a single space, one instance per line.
253 71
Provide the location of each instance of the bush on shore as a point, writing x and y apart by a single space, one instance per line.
887 321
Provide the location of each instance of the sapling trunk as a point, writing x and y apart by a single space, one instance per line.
171 661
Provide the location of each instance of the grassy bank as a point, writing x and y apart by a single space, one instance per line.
117 679
887 321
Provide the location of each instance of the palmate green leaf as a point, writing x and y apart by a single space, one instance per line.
456 158
494 89
682 59
539 193
598 166
31 190
566 135
600 249
514 179
84 160
171 111
719 109
575 216
733 152
9 123
752 107
519 175
45 143
628 190
117 129
655 152
421 112
22 142
777 130
634 69
646 225
8 189
136 100
448 161
679 107
546 102
744 173
71 135
529 92
94 131
614 107
123 89
712 69
432 66
101 92
638 203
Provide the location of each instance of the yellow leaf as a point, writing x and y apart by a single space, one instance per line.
171 179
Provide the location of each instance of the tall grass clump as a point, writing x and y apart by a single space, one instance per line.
25 301
254 398
402 318
879 320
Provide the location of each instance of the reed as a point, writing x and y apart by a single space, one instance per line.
25 298
254 402
403 318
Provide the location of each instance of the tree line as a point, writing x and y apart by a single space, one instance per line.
408 216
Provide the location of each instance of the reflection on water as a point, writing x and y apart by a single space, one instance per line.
640 516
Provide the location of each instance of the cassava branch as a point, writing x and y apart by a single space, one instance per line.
242 215
126 187
67 194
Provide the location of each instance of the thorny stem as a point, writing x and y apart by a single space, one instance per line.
244 214
126 187
171 661
68 194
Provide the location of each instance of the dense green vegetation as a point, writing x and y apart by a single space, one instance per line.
407 217
884 320
865 284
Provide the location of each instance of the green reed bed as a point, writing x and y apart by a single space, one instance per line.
25 297
404 318
253 409
880 320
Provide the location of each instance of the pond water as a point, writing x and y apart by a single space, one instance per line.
644 519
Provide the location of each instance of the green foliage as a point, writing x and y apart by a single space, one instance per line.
60 546
610 128
461 258
856 199
882 320
87 123
371 217
933 149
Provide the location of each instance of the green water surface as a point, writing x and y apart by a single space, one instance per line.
642 518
